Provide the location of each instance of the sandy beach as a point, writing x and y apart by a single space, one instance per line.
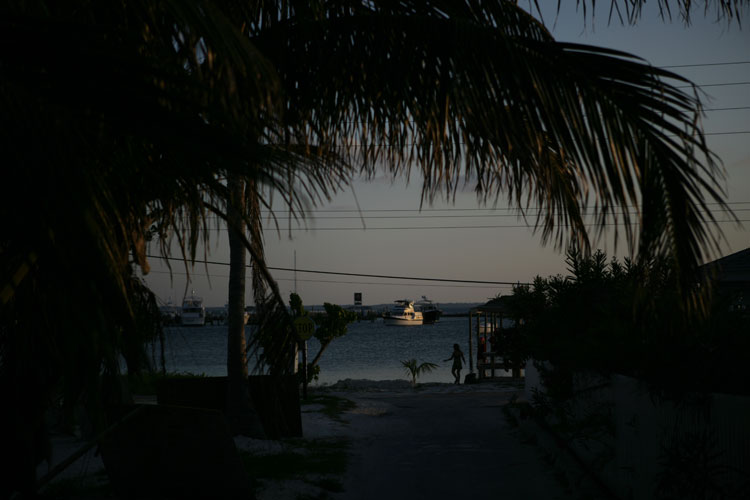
429 441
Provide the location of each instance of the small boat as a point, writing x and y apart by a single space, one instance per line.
403 314
430 312
249 314
216 316
170 314
193 311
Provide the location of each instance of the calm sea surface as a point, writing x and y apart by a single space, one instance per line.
369 350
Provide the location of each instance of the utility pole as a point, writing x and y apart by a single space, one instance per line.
295 271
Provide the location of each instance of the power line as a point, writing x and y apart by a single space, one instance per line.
418 228
468 216
411 144
476 216
738 132
728 109
723 84
499 226
360 275
496 209
454 216
431 285
337 282
698 65
486 226
411 278
423 217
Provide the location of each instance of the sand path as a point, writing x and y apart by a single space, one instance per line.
440 442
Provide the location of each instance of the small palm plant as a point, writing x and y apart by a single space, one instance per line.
412 368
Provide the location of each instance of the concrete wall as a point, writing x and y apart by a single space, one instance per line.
699 444
697 447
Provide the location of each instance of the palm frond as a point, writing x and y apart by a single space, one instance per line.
564 127
631 11
414 369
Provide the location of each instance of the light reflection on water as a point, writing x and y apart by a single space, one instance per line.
370 350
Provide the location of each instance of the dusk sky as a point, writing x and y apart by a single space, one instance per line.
469 241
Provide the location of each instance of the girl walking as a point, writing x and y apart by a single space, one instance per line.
458 360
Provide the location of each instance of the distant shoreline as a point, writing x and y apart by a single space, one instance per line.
450 309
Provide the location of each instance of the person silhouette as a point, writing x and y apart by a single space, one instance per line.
458 360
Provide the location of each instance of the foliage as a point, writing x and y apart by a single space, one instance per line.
146 327
313 372
305 460
610 317
631 11
330 326
415 370
690 469
333 324
296 309
559 103
624 317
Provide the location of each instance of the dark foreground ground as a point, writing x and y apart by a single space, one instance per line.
438 441
442 442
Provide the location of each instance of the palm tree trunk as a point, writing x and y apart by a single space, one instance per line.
243 419
256 240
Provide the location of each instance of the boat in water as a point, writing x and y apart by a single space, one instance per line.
403 314
170 314
430 311
193 311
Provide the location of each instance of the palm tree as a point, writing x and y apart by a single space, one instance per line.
107 142
239 405
123 121
483 93
414 370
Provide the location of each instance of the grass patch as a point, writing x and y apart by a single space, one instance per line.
315 457
78 488
333 406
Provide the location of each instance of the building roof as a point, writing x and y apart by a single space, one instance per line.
497 306
733 269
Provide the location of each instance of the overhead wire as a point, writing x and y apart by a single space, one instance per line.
696 65
484 226
529 211
362 275
498 226
338 282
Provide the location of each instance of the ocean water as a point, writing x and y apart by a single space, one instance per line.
369 350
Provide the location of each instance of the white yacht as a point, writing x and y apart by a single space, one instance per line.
193 311
403 314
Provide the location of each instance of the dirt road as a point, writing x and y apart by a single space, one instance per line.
437 445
